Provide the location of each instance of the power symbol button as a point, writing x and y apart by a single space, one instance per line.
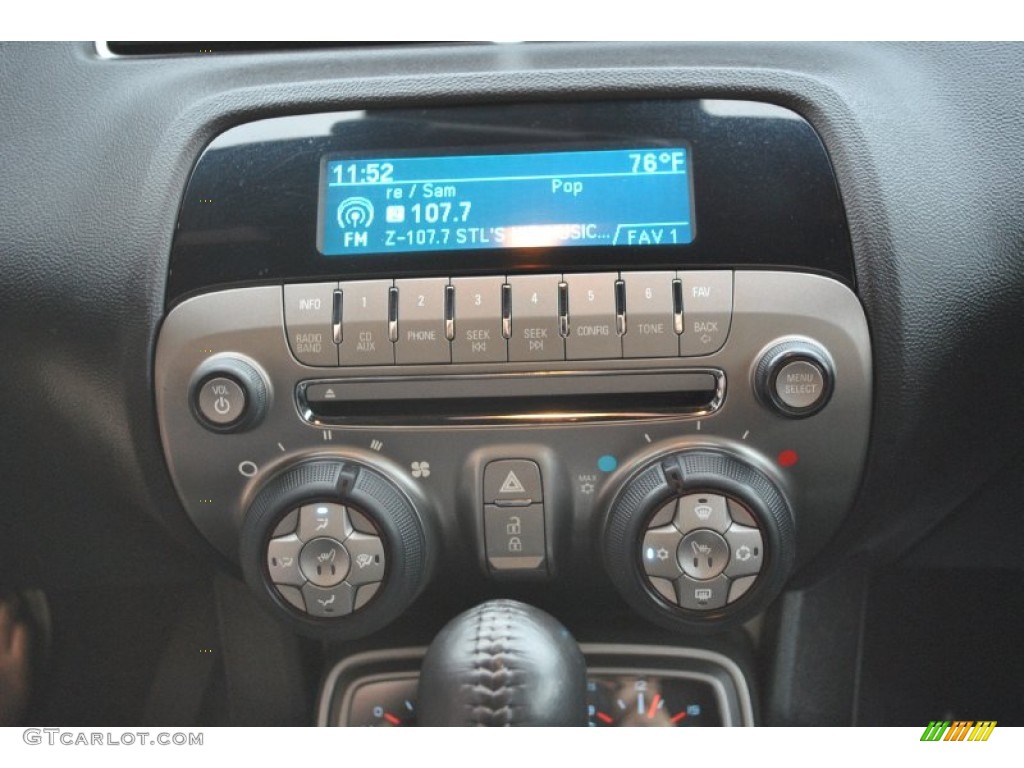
221 401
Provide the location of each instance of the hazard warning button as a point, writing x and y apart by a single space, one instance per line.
513 483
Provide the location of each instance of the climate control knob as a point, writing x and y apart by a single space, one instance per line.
335 547
698 538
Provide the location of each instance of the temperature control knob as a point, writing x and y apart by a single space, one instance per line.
698 538
335 547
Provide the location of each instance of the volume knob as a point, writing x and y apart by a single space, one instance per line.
229 393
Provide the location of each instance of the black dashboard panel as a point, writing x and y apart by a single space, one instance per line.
763 189
927 153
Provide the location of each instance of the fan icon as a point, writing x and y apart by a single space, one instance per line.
420 469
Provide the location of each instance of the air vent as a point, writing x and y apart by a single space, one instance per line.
114 48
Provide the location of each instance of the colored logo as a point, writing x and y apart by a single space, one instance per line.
959 730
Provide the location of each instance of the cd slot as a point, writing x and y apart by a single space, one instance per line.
512 398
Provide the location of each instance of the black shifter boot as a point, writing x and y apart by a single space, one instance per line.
503 663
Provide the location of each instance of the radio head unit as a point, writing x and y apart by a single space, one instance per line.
589 343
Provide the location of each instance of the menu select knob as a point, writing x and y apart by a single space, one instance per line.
228 394
794 378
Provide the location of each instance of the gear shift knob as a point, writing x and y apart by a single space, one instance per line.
503 663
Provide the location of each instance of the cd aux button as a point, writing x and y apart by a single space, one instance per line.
308 309
364 323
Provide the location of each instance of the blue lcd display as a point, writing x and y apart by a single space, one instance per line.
627 197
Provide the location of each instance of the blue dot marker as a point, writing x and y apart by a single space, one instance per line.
607 463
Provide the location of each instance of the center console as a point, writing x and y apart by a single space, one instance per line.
538 342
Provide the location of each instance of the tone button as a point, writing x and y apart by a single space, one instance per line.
650 330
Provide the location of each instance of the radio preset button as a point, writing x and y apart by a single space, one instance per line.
308 310
364 323
478 337
707 311
421 326
592 331
535 333
650 330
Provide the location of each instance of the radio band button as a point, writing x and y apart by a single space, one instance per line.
308 310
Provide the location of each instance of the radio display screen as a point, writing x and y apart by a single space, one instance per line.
627 197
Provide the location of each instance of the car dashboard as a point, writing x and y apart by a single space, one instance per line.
709 351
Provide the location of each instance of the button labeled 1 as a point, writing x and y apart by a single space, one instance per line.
364 323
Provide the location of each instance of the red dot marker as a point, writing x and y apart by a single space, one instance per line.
788 458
